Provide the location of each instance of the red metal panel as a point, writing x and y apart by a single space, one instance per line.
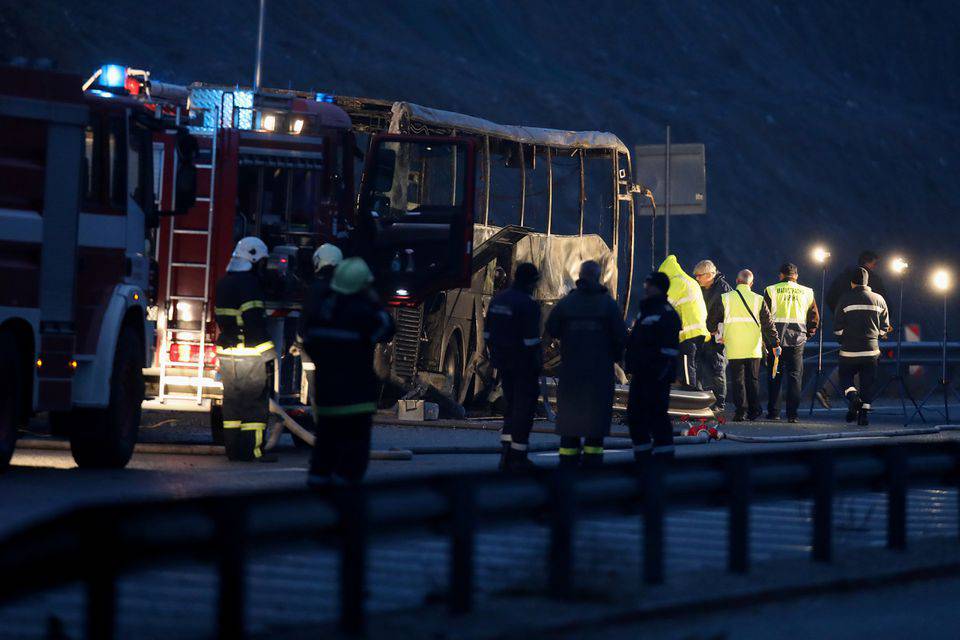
100 270
20 269
225 209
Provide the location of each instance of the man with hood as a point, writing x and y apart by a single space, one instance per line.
512 334
651 361
686 297
325 261
341 333
712 358
591 331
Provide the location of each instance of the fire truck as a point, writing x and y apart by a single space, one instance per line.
76 208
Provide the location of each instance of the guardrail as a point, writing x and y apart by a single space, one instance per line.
97 544
926 352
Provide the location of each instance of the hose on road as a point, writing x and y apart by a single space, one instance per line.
844 435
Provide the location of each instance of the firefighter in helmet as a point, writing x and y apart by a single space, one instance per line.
245 351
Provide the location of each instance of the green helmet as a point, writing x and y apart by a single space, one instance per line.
352 275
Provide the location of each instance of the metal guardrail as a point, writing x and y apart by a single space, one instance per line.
926 352
97 544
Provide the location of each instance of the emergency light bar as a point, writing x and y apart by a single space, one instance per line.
113 75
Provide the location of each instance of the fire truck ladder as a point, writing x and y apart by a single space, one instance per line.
199 336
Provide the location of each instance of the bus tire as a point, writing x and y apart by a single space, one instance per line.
453 368
216 422
105 438
12 384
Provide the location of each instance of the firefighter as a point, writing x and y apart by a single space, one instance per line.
590 328
512 334
651 359
797 318
341 332
245 351
686 298
861 320
744 326
325 261
712 359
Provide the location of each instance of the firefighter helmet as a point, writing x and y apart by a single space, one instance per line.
247 253
352 275
326 255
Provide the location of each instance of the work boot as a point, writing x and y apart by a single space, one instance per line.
739 416
793 419
518 462
853 406
753 415
823 398
863 415
772 416
504 455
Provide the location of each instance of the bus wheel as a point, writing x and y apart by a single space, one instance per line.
216 422
104 438
453 369
11 386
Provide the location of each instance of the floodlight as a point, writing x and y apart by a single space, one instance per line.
898 265
269 122
940 280
298 125
820 255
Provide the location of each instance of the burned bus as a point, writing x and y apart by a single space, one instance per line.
550 197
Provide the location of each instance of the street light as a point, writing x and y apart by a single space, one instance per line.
821 256
899 268
898 265
942 281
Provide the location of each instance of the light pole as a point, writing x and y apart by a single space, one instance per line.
941 280
820 256
899 266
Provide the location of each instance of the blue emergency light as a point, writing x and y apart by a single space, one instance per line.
324 97
113 75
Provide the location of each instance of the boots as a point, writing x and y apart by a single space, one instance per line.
518 462
504 455
853 409
863 415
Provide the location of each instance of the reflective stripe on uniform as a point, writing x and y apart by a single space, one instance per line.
347 409
251 304
257 428
506 437
862 307
569 451
231 424
593 451
519 446
258 350
230 313
859 354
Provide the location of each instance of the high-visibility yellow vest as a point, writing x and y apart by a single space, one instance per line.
687 298
741 334
789 303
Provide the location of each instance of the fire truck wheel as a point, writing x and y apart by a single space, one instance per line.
11 386
216 422
104 438
453 368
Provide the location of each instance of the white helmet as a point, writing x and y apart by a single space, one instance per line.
247 253
326 255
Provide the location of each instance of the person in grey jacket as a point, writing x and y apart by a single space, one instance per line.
591 331
862 318
711 358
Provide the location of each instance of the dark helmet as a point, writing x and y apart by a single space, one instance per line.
526 275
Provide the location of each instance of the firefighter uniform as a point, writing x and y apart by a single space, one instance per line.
686 297
245 352
797 318
861 319
744 327
651 357
512 333
341 330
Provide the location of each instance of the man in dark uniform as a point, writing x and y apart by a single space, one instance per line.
589 326
711 357
512 334
246 353
340 333
861 320
652 348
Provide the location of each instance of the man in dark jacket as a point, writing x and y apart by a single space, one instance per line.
652 348
861 319
590 328
711 357
245 352
512 334
839 287
340 335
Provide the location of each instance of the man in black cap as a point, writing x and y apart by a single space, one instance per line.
652 348
861 319
512 334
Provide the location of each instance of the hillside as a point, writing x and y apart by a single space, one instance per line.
824 120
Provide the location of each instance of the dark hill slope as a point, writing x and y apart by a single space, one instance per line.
824 120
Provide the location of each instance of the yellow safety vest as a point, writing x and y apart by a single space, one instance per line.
742 337
687 298
789 303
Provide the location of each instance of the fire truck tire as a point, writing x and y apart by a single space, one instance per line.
216 423
104 438
12 382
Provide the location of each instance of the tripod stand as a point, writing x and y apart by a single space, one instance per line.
819 376
943 385
902 390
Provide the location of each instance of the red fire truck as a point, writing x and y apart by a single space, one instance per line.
76 207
